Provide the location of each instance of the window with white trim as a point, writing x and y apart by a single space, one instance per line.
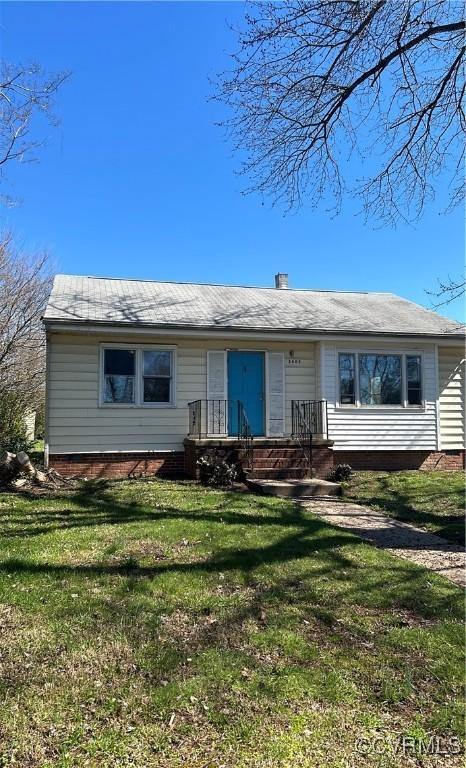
379 379
139 376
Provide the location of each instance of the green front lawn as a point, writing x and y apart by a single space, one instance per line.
431 500
156 625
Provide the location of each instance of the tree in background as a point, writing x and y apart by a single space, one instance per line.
27 96
25 283
316 81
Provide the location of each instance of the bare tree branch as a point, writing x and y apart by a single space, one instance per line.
448 291
26 96
315 81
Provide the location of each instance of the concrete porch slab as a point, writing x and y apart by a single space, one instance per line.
295 488
258 442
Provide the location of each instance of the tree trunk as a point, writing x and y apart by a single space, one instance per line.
7 467
11 465
25 464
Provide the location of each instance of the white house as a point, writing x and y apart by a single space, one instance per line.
143 376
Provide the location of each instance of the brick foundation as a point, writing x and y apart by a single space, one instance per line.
398 460
323 461
119 465
179 463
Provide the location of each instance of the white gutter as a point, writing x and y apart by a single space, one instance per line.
105 329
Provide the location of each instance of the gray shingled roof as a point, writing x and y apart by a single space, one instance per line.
76 299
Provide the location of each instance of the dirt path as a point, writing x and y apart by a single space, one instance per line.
401 539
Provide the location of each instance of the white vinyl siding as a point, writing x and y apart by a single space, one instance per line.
451 363
77 424
381 427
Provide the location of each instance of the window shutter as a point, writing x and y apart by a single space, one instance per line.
216 392
276 395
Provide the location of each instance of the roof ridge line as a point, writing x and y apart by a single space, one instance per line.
229 285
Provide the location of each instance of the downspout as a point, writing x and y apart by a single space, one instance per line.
437 399
47 399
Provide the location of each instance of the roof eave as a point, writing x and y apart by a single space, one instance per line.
207 329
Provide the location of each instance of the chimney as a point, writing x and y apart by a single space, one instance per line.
281 280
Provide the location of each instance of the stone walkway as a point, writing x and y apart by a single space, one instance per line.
401 539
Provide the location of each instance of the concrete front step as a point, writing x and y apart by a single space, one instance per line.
273 473
280 463
294 488
270 453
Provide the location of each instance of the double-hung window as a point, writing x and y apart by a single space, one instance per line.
138 376
379 379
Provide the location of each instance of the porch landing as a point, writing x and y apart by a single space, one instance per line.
259 442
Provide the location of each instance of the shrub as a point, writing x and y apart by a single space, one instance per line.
216 472
341 472
13 432
15 444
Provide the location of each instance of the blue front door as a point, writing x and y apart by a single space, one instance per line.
246 383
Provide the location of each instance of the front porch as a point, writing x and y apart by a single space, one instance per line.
213 431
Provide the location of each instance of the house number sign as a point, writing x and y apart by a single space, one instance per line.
294 361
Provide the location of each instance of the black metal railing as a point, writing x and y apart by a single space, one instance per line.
245 434
301 431
308 419
221 418
194 419
208 418
314 413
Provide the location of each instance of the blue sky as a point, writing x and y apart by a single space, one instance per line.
138 181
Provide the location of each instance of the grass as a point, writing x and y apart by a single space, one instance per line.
36 453
431 500
159 624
